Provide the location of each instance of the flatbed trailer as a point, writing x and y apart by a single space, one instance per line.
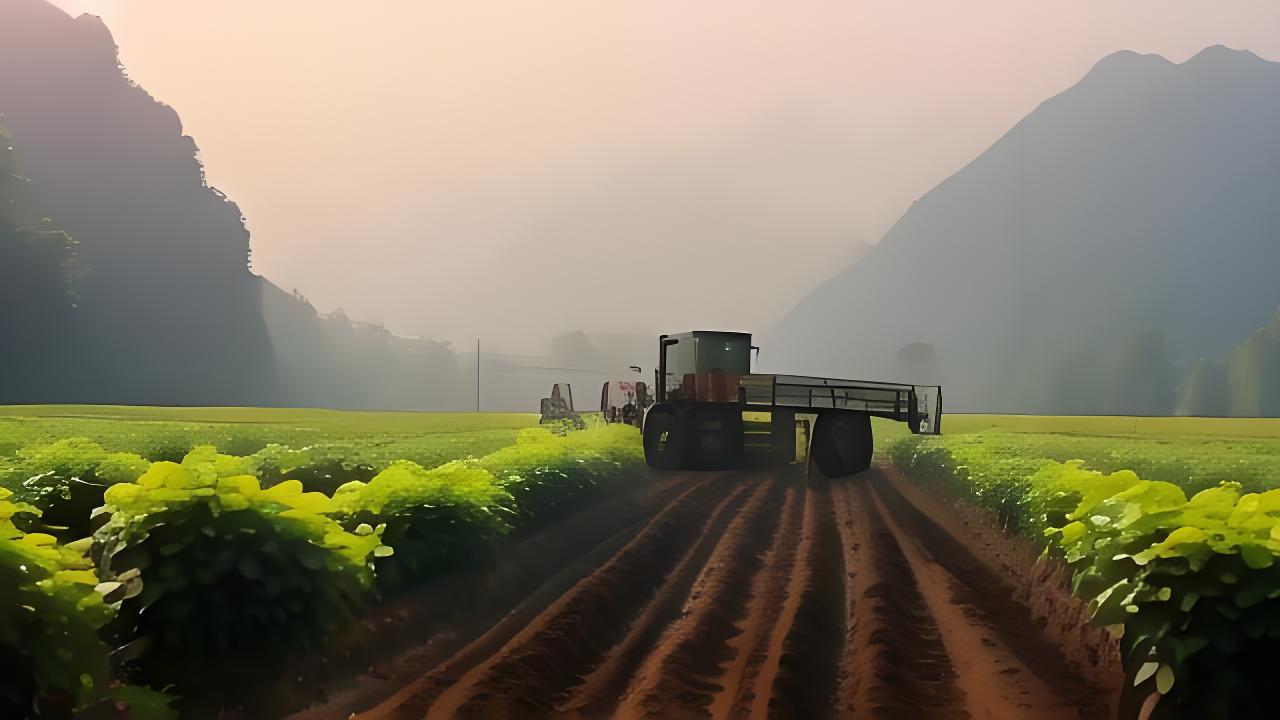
704 388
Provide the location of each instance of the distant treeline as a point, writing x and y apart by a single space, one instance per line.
1246 385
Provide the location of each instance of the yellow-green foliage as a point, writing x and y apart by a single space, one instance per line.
604 448
50 612
546 472
1194 583
444 518
42 475
168 433
406 485
220 562
222 483
217 572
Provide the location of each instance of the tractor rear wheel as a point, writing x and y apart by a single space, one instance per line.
718 437
666 438
842 443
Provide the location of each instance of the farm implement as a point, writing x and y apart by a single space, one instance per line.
712 412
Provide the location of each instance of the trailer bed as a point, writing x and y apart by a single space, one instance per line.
811 394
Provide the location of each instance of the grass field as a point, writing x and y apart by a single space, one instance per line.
167 433
1194 453
1115 425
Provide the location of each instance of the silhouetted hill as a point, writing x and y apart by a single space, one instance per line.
150 299
1082 264
167 310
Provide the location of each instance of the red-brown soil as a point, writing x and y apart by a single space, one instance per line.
750 594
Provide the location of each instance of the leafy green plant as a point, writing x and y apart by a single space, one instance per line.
320 468
437 520
219 578
1193 584
549 474
51 659
66 479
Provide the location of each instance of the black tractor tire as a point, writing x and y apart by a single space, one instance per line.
718 433
667 440
842 444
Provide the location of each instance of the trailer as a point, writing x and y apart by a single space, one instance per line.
712 412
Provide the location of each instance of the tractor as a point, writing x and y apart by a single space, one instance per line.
711 412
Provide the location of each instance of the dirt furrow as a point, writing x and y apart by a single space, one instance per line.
768 594
808 667
677 677
535 671
751 595
756 693
665 536
1002 660
894 663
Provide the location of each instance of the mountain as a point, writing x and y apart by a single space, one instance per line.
1087 260
167 310
125 278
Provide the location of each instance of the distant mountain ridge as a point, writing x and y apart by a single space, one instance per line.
166 292
153 301
1129 222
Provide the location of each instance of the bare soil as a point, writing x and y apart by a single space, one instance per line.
750 594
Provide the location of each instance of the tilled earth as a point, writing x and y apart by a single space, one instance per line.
749 594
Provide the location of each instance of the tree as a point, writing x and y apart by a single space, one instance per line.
1144 381
1205 392
1253 372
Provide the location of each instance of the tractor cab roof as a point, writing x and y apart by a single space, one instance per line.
707 333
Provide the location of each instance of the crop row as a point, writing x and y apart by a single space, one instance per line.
1190 584
205 575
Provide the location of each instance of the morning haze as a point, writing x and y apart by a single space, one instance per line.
397 158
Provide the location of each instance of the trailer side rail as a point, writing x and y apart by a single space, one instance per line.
918 405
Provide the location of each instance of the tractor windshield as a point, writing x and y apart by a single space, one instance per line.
703 354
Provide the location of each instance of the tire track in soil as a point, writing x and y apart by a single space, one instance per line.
807 668
532 672
894 663
678 676
687 509
1004 661
769 591
752 596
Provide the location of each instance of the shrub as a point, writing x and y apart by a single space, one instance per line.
320 468
1193 583
550 474
437 520
50 655
221 578
65 480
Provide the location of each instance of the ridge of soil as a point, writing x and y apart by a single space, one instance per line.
750 594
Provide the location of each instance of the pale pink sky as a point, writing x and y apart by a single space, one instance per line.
438 165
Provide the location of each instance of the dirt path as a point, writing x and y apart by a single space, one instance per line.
749 595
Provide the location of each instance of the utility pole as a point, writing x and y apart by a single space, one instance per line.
477 374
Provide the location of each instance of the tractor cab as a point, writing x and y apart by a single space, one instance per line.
703 366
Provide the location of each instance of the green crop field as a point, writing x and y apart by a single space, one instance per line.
250 536
167 433
1193 453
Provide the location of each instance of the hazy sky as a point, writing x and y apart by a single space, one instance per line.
515 169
